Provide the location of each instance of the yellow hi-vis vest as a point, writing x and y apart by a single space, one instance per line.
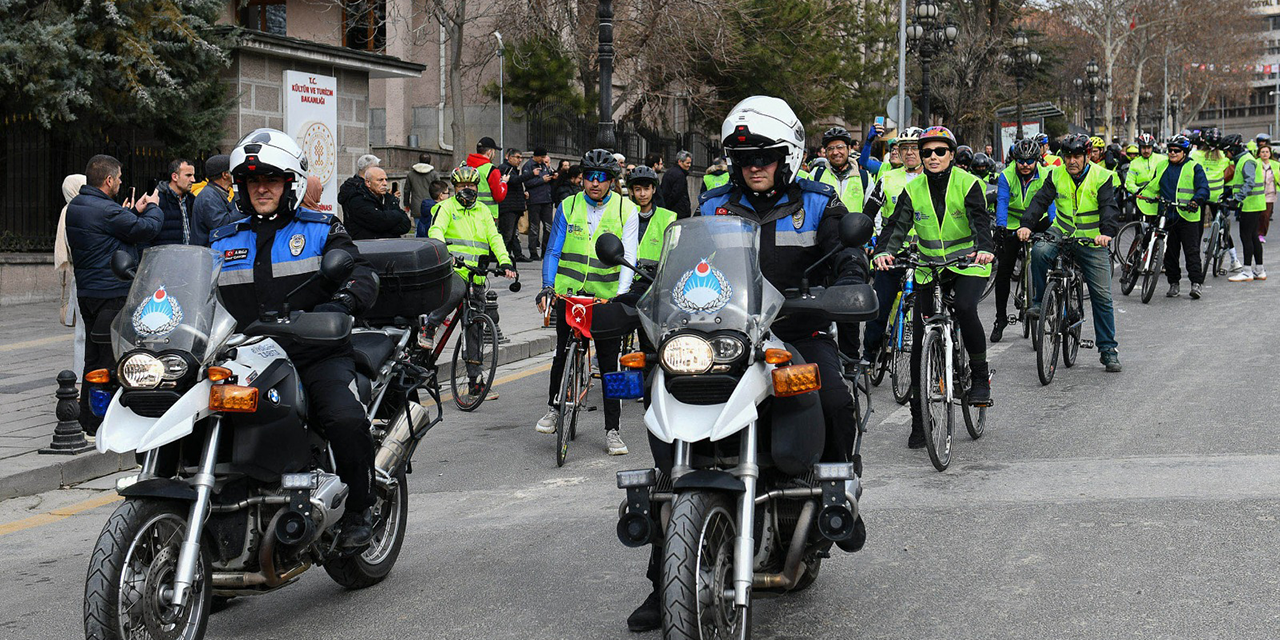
579 269
650 249
1078 214
945 237
850 192
470 234
1017 200
1141 180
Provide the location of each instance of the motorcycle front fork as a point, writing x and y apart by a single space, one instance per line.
184 577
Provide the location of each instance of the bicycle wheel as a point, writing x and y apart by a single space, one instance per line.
991 279
900 362
1022 299
1074 322
476 351
881 364
975 425
570 395
1049 334
1129 273
1152 277
1126 238
1211 260
939 414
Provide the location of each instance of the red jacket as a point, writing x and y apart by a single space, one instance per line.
496 185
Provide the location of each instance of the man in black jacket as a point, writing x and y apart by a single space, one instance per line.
537 181
351 186
277 248
512 207
373 212
97 227
176 202
213 207
674 191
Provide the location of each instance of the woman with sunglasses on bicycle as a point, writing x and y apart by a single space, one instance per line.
948 210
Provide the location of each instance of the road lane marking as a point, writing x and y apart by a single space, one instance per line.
61 513
15 346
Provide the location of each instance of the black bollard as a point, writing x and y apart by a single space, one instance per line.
491 310
68 438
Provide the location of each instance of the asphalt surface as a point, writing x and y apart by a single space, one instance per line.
1135 505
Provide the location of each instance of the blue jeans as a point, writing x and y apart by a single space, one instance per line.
1095 265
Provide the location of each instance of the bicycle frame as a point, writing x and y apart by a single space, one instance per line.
1065 276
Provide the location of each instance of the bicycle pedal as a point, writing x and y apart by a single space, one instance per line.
592 408
1086 344
595 375
1013 319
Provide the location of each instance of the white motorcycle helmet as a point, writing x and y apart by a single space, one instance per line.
269 152
760 123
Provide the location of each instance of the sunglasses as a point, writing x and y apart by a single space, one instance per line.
1176 150
595 176
935 151
1030 161
758 157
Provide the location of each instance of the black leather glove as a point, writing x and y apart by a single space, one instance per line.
342 302
545 295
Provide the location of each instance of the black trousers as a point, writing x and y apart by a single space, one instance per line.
967 290
507 221
606 354
887 285
1007 254
1184 236
1249 242
97 314
334 407
540 218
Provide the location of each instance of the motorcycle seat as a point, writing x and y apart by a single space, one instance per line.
371 350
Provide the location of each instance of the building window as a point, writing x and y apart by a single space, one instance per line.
267 16
364 25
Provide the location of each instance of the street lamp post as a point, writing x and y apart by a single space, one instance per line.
502 111
1021 62
605 138
927 35
1092 83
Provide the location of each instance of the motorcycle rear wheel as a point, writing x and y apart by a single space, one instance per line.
697 570
372 565
132 564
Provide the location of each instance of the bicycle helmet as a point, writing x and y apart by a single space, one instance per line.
1097 142
1197 137
910 135
890 143
1042 139
1131 149
601 160
1233 143
465 175
642 174
1146 140
1025 149
759 128
269 152
1262 138
983 164
1180 142
941 134
964 154
1073 144
837 133
1211 138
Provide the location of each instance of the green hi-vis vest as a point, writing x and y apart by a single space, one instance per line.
1141 180
486 194
945 237
1255 200
1215 172
1186 189
1018 201
470 234
850 192
1078 214
711 180
580 270
1115 177
650 248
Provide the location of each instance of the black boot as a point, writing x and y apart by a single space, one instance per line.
980 381
916 439
998 331
646 617
356 530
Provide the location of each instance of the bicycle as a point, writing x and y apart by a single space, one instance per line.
859 384
894 355
1022 290
944 372
475 353
1061 310
1218 240
576 381
1149 254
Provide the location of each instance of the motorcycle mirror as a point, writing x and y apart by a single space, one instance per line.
855 230
124 265
609 250
336 266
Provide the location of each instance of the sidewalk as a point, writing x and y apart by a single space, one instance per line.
34 347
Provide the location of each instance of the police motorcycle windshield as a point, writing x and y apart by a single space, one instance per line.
173 304
708 280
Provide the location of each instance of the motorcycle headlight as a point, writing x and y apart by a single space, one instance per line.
174 366
687 354
142 371
727 348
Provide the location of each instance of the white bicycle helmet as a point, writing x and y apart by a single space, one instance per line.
764 122
269 152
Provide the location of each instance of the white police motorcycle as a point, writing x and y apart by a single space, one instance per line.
747 504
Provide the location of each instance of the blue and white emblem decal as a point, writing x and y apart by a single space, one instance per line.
702 290
273 396
159 315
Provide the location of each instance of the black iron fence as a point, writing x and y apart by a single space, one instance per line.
562 131
34 161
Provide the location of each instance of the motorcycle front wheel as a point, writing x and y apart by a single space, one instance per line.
132 570
371 566
697 570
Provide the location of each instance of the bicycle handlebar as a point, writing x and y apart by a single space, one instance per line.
908 259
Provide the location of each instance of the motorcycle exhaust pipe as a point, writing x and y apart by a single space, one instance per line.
395 446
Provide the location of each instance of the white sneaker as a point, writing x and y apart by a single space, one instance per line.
613 443
1244 276
548 422
1259 273
1236 265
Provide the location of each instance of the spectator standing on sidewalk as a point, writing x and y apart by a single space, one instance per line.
511 208
417 184
311 197
538 176
373 212
176 202
97 227
493 186
674 191
213 206
68 313
426 211
567 185
352 186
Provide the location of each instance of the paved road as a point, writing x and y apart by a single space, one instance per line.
1137 505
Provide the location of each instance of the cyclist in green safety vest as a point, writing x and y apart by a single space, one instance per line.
1085 207
717 175
493 185
465 225
1015 188
654 220
850 181
570 267
1141 179
1248 194
1183 181
960 228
